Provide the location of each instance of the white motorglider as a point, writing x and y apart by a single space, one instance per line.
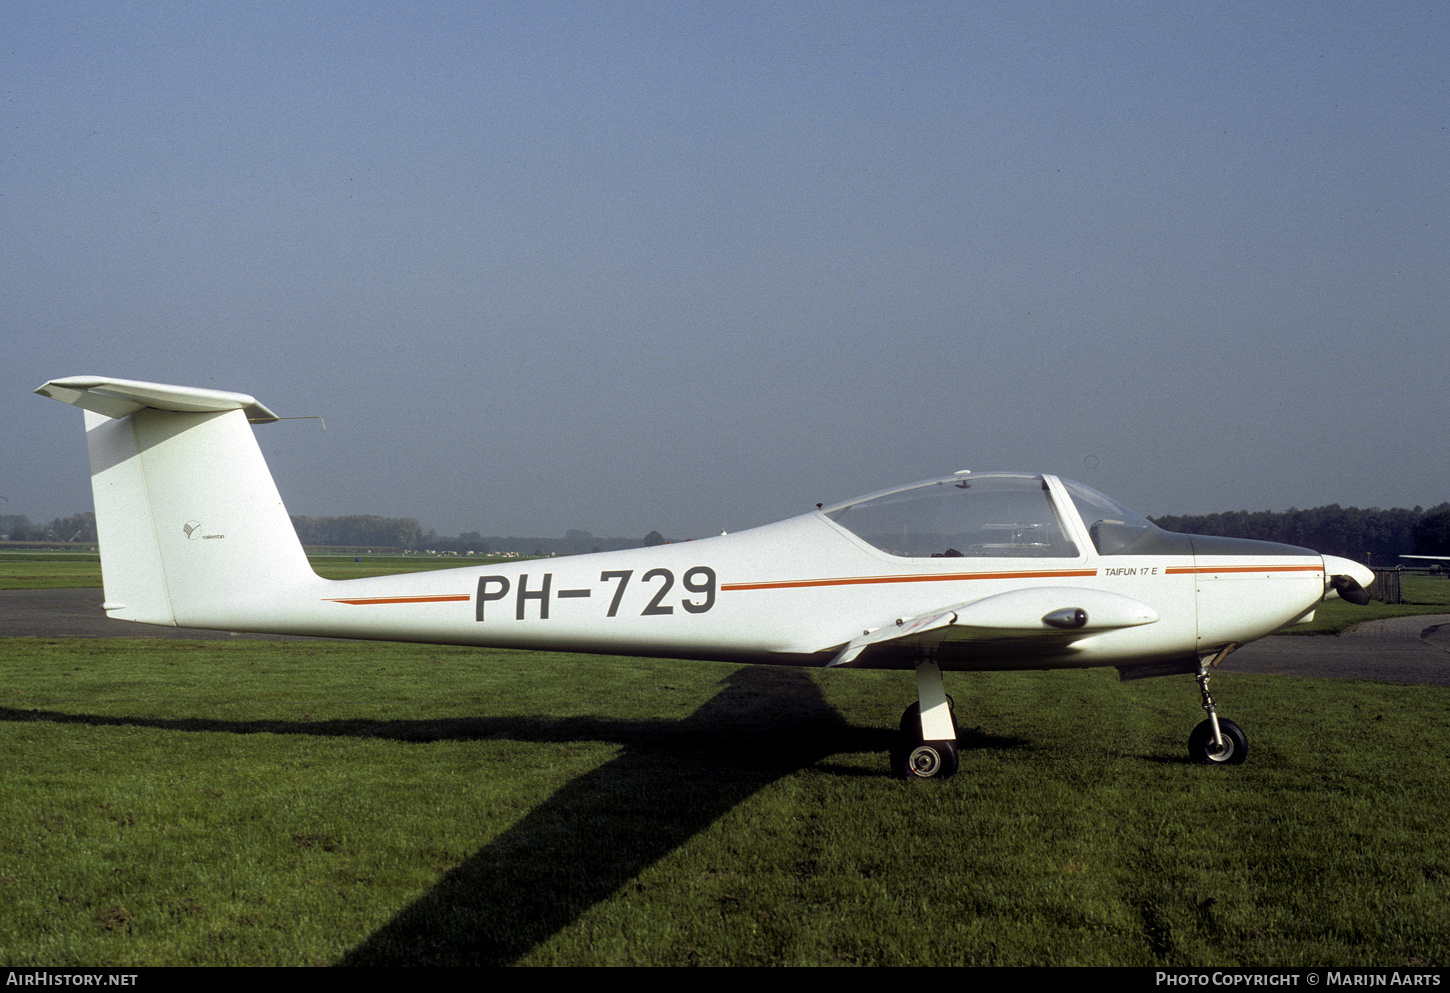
970 571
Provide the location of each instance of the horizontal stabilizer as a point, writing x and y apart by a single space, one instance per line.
119 397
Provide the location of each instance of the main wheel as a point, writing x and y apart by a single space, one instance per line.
1235 744
925 759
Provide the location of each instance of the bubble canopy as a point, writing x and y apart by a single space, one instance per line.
988 515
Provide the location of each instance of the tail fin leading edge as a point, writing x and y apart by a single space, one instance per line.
193 532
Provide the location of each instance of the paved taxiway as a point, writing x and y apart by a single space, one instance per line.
1400 650
78 614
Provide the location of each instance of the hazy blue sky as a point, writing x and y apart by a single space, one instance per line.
633 266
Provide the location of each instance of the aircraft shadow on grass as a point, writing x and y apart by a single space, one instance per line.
604 828
672 780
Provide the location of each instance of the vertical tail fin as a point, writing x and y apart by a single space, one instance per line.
192 529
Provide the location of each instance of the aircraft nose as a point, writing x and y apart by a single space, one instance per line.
1348 578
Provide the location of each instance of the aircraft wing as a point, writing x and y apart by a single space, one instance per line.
1051 616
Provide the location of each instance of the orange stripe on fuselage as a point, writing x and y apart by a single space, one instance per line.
369 601
1198 570
789 584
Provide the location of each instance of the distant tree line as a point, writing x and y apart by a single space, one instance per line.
1374 535
361 531
367 531
75 528
355 531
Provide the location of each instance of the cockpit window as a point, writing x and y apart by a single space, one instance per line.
967 516
1113 526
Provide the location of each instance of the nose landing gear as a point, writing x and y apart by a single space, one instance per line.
1216 741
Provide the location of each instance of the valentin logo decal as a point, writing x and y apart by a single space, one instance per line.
193 531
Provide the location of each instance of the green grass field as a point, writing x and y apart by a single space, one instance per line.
252 803
49 570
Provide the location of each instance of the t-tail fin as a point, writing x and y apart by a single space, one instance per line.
193 532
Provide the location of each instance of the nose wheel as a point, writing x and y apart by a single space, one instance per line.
1233 750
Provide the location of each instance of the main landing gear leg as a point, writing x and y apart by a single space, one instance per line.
928 747
1217 741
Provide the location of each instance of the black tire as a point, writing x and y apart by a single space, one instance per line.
1235 744
925 759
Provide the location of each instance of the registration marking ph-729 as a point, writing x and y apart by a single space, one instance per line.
699 580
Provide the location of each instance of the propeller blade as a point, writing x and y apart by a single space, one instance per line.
1349 589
